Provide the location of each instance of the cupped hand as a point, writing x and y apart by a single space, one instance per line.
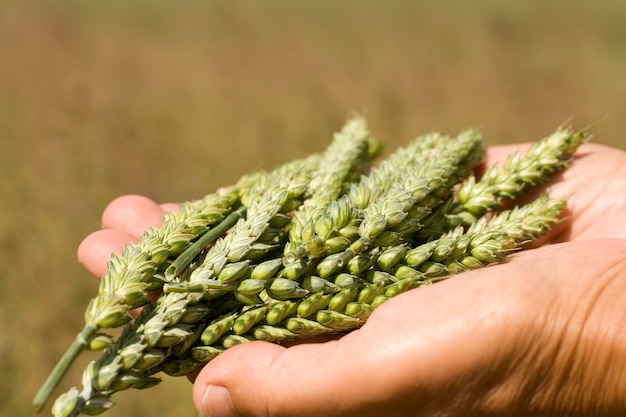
544 334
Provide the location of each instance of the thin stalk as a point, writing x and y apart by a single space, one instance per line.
185 258
63 365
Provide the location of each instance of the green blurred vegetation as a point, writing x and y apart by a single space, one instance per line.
174 99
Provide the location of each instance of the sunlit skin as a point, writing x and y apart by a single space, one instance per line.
541 335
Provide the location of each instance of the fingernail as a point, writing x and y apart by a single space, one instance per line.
217 402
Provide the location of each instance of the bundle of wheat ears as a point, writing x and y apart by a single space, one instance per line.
310 248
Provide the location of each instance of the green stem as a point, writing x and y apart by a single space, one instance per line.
185 258
62 366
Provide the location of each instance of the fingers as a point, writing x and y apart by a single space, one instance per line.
498 154
124 220
592 185
96 249
173 207
132 214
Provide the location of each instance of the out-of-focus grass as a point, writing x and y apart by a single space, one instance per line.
99 99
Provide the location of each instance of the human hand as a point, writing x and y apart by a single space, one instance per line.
541 335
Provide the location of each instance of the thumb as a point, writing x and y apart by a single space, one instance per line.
260 378
334 378
235 371
400 361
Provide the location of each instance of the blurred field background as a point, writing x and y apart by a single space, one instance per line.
173 99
